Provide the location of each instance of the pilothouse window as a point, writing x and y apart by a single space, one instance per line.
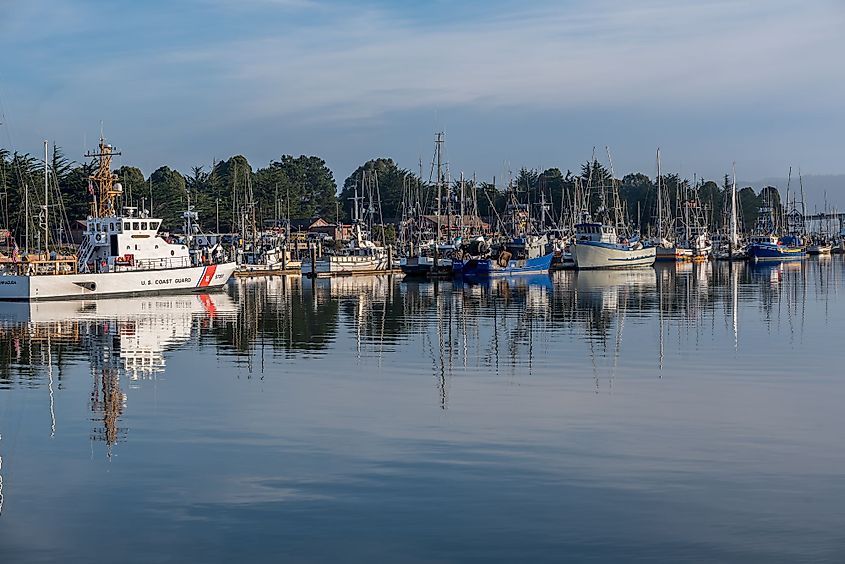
153 225
144 225
134 225
126 226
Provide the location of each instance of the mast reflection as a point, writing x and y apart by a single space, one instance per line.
123 340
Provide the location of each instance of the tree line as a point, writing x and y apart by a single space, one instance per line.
304 187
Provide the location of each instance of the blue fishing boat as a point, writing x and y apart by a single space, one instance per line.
503 266
518 256
770 247
765 244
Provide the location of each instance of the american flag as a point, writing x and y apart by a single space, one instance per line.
90 188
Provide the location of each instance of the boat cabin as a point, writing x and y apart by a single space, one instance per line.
596 232
128 242
765 240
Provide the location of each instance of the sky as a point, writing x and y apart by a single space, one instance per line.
512 84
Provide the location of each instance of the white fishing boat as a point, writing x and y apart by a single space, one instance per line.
359 256
820 248
120 254
269 257
598 246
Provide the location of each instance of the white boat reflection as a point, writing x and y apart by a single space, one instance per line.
123 338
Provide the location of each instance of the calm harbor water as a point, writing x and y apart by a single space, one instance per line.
689 413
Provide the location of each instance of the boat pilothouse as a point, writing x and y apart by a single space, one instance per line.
120 254
126 242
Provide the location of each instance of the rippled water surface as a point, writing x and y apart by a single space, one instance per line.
689 413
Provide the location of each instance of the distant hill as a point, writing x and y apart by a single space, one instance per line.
816 186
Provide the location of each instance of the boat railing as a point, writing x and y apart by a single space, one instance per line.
162 263
45 267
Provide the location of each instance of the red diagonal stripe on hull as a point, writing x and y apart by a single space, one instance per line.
208 275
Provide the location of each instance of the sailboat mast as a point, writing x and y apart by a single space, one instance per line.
438 142
660 231
803 210
26 215
461 222
734 226
46 202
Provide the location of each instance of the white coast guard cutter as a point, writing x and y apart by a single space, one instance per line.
120 254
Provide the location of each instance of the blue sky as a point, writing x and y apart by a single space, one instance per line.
511 83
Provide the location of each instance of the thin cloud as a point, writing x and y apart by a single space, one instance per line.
661 53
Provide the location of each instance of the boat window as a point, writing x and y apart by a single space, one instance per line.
153 225
134 225
126 226
111 226
172 253
144 225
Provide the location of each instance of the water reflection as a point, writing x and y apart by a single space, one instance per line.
499 326
124 341
342 402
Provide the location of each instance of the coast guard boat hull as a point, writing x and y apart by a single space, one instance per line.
131 282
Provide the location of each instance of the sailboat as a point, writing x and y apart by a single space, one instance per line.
733 250
120 254
664 245
434 257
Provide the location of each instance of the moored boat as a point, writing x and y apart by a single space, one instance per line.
120 254
770 247
597 246
819 247
519 256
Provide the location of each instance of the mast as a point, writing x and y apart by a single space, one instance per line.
784 208
803 210
438 142
461 207
46 203
105 179
660 232
734 238
614 194
26 215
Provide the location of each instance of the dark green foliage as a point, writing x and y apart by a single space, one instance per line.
169 198
391 180
303 187
639 197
